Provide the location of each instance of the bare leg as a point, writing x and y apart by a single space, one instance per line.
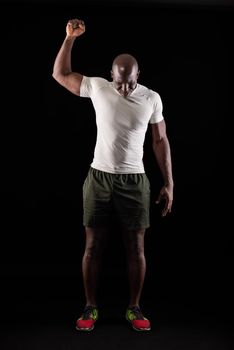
95 241
134 246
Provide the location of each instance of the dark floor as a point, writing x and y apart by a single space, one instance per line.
51 325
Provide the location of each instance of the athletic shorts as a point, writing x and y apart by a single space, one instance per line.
125 197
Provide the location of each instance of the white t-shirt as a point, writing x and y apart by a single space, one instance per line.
121 124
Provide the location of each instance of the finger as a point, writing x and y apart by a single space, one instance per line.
74 22
82 26
158 200
166 208
78 24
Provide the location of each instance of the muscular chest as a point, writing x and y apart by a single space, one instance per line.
133 112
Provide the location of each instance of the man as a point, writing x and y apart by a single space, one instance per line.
116 181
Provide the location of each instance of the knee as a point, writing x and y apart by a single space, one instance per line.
135 250
134 244
93 251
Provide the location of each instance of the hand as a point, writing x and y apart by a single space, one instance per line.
166 194
75 27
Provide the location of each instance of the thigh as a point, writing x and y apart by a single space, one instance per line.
132 201
97 194
95 239
133 241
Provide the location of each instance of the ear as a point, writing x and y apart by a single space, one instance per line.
138 73
111 72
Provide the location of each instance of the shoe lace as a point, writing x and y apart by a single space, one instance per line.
137 312
87 312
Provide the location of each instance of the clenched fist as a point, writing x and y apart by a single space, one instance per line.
75 27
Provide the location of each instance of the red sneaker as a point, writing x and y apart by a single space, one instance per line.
136 318
87 319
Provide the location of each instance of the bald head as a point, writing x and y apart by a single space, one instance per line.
125 73
125 63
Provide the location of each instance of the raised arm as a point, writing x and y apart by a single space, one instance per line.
162 153
62 70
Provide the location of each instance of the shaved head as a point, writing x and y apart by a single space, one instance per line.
125 63
125 73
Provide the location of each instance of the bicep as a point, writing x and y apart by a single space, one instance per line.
71 82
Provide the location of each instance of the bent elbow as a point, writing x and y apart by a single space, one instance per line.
58 77
55 76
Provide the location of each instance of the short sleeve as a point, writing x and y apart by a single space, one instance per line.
157 114
85 87
90 85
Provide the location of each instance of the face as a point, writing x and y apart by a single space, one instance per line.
124 82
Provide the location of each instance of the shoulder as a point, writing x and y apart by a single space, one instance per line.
95 81
147 91
152 95
90 85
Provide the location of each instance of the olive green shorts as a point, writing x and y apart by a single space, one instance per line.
124 196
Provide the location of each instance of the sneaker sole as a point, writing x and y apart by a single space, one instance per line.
141 329
85 329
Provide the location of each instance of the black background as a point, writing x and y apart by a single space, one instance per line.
47 142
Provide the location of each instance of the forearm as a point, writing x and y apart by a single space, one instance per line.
62 64
162 154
